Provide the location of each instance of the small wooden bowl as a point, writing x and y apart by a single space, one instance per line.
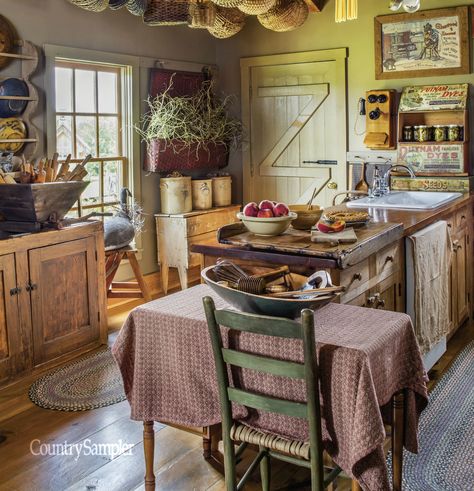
307 216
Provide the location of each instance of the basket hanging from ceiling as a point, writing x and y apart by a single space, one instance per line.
227 23
286 15
117 4
92 5
256 7
137 7
202 14
227 3
166 13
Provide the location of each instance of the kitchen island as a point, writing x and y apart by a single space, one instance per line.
372 271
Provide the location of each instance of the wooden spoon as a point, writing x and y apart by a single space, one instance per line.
362 184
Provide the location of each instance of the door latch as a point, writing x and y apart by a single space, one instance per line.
31 286
15 291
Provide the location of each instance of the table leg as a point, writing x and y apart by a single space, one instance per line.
398 426
164 269
183 277
149 448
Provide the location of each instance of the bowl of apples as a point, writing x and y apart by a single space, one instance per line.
268 218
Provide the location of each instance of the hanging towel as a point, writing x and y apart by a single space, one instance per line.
432 254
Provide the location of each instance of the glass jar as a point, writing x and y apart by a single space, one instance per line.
416 133
453 133
408 133
423 133
440 133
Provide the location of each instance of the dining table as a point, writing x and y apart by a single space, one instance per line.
370 368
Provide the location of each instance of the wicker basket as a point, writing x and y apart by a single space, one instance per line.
228 22
228 4
256 7
286 15
92 5
166 13
137 7
202 15
117 4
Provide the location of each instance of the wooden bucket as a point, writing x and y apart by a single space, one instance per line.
175 194
222 190
202 194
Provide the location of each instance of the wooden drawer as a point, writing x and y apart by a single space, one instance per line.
461 218
387 260
209 222
355 280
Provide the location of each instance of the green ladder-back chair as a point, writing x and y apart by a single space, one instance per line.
306 454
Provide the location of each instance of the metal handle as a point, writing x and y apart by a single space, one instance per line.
389 259
371 300
15 291
320 162
31 286
380 303
357 277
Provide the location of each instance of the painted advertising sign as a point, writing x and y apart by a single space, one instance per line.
434 97
433 158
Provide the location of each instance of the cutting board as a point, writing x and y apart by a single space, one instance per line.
370 239
347 236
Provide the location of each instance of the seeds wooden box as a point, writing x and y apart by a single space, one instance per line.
37 204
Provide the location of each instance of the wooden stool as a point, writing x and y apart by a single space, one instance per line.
129 289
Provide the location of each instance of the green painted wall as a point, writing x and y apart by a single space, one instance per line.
321 32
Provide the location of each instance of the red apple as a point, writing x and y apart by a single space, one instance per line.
266 213
281 210
330 227
266 205
251 209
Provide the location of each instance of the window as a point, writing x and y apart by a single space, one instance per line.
88 116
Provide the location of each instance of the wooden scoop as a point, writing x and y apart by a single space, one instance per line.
362 184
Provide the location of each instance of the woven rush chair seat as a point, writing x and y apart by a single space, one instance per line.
295 448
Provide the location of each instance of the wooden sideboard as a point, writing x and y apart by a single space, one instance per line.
53 303
176 234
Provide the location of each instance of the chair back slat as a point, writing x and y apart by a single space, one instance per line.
267 403
282 368
259 324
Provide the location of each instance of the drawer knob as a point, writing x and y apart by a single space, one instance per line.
371 300
389 259
463 217
15 291
31 287
357 277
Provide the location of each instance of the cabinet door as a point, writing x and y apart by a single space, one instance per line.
11 352
460 245
63 298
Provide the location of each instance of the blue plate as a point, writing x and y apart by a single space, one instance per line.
13 87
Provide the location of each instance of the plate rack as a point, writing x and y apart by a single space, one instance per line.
28 56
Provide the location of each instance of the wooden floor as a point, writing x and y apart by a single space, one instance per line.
178 464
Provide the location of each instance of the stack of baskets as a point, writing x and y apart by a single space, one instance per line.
222 18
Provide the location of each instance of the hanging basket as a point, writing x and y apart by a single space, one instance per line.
166 13
165 156
117 4
228 4
92 5
137 7
256 7
286 15
202 15
228 22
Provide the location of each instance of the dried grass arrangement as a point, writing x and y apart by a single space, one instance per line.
256 7
286 15
191 121
227 23
202 14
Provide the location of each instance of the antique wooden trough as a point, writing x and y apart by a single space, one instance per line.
31 207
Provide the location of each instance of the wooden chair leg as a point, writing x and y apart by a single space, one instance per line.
265 471
149 448
138 275
398 425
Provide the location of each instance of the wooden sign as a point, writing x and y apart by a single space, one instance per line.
434 98
453 184
433 158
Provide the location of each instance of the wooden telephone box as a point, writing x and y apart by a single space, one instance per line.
380 119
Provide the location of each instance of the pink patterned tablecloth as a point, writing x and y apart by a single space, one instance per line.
365 357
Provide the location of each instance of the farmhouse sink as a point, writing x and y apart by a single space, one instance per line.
406 200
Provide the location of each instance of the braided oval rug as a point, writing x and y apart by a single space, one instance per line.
445 461
91 382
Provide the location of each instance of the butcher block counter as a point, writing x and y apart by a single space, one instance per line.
372 269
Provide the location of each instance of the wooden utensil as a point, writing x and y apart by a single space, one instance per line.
41 174
49 171
64 169
299 293
71 176
54 166
362 184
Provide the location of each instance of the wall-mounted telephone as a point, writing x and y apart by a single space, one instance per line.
380 119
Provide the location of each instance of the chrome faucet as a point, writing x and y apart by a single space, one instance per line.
385 182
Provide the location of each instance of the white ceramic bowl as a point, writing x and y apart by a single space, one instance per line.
268 227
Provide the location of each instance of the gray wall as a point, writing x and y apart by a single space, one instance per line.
61 23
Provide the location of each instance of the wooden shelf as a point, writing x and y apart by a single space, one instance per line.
16 98
432 143
19 140
18 56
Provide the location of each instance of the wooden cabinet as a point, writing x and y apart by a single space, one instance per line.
52 292
176 234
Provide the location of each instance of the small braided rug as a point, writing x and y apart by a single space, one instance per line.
91 382
445 461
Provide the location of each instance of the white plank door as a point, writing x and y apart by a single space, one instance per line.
294 109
